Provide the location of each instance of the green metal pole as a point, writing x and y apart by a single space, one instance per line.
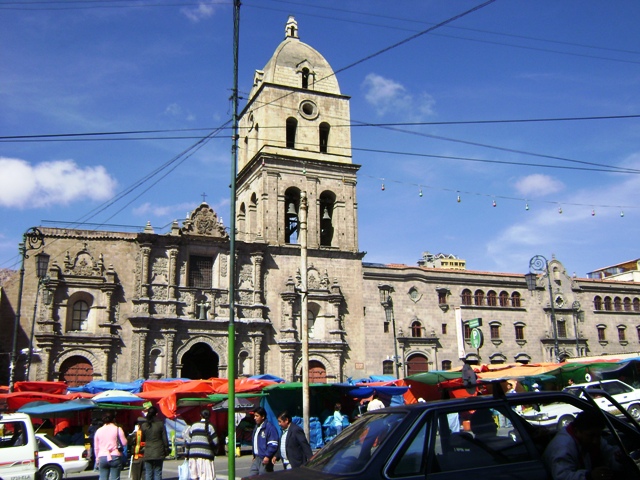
231 368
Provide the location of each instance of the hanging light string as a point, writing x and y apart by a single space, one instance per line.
527 203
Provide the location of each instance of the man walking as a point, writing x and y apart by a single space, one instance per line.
294 449
265 444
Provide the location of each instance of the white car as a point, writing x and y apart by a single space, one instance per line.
58 460
624 394
562 414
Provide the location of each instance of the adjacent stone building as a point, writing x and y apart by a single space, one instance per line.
146 305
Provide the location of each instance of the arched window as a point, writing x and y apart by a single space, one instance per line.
515 300
327 201
252 223
416 330
305 78
155 361
627 304
466 297
79 315
607 303
636 305
597 303
478 297
324 137
504 299
292 126
291 206
242 215
617 304
492 299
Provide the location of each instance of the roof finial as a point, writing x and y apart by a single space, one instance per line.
291 30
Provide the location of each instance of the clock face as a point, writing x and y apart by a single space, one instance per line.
559 301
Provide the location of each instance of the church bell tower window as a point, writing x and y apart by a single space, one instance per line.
292 125
324 137
291 205
305 78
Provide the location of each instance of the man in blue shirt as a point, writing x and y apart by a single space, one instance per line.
265 443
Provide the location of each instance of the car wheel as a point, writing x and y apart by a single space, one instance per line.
51 472
634 411
564 421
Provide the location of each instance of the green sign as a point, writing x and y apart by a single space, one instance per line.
476 338
474 322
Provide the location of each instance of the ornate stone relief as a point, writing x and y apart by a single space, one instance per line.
83 264
204 221
159 270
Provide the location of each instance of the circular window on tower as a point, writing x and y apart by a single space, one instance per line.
308 109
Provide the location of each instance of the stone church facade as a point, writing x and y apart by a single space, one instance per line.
145 305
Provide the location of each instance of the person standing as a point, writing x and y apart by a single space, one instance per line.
156 445
136 443
265 443
337 418
375 403
201 442
108 443
294 449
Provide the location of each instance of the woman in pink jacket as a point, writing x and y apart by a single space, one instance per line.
108 443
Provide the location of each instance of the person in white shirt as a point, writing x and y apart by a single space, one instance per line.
375 403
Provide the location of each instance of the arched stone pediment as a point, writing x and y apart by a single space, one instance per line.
204 221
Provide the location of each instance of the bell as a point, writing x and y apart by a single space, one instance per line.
292 209
325 214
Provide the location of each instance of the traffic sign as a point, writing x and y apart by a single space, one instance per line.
474 322
476 338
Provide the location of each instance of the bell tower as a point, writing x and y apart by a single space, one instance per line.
295 137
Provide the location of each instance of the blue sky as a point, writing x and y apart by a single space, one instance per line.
126 65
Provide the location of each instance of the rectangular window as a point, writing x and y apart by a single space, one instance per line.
387 367
200 272
442 297
467 331
444 329
446 365
562 329
519 332
622 336
601 335
495 332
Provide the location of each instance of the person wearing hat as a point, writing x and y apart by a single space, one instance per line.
136 442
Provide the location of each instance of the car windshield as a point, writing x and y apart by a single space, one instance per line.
356 445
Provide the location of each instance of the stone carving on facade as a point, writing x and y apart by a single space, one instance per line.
245 277
223 265
159 270
204 221
159 292
83 264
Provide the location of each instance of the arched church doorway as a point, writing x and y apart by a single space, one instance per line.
200 362
76 371
417 364
317 372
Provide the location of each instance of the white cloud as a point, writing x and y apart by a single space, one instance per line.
390 97
538 185
201 12
59 182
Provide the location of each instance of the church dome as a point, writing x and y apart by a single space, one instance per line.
296 64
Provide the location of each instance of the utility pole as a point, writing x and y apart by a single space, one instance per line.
231 353
304 313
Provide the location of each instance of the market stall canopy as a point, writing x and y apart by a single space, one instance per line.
98 386
117 396
59 410
58 388
241 405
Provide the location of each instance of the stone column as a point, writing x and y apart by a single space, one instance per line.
169 335
257 339
139 351
173 276
257 281
144 273
106 368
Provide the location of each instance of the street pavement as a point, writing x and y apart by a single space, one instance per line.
170 469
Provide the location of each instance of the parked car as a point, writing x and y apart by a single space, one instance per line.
624 394
446 440
57 460
18 447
